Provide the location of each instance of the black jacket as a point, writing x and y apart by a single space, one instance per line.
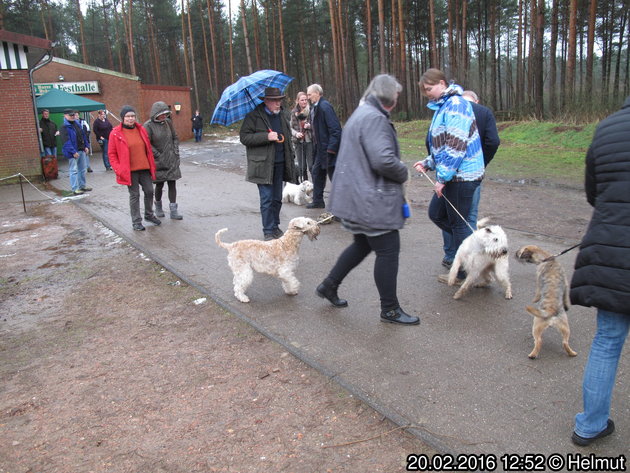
602 267
326 133
487 127
48 132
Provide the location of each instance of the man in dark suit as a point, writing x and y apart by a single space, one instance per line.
326 138
487 127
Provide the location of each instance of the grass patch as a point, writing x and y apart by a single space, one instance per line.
529 150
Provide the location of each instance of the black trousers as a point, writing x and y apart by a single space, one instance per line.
387 249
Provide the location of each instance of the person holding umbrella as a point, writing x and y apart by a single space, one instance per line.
266 134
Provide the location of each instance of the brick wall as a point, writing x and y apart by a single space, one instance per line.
19 142
170 95
116 91
122 89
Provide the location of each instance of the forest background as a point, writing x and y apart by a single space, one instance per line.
562 60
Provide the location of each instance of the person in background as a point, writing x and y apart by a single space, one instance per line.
367 195
197 126
326 138
102 128
455 155
302 136
132 160
49 132
602 271
489 135
75 148
165 146
86 129
270 159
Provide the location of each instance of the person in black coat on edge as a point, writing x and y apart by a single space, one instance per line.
602 270
489 135
326 139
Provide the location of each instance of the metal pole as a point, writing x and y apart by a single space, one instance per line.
22 189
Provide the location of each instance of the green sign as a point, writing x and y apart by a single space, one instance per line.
78 88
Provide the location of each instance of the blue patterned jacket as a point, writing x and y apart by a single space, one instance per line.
454 144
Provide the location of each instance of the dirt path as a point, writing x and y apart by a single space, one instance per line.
110 364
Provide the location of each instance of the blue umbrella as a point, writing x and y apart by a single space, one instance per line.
238 99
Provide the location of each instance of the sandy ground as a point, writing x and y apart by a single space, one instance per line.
110 364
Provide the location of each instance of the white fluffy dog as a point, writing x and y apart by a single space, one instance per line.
299 194
278 258
484 256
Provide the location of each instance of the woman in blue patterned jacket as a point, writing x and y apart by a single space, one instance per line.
456 156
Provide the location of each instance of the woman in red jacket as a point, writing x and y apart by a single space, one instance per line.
132 159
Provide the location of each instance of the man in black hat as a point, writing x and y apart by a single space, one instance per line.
75 148
266 133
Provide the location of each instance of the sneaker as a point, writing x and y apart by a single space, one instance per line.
138 227
108 168
153 219
443 278
78 192
269 237
89 169
86 189
447 263
316 205
584 441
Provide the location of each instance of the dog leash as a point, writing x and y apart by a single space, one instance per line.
561 253
449 202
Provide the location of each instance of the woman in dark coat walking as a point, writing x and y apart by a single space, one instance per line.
367 195
165 145
602 270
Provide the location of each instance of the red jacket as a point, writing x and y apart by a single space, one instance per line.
119 154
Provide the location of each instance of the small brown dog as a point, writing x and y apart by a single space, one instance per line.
552 295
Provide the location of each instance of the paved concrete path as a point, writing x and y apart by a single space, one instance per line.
462 378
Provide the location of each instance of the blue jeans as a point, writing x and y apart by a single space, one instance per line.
271 200
460 195
600 372
50 151
198 133
105 147
77 169
449 250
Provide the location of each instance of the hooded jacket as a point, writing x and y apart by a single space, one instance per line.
164 144
454 141
602 267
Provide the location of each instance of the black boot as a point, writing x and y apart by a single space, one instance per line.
328 290
398 316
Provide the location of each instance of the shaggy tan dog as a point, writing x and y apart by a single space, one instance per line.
278 258
484 257
552 296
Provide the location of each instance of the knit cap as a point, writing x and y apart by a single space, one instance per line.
125 110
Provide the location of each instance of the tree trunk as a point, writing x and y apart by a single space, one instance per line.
520 83
368 34
381 36
552 58
108 43
570 81
84 53
205 47
538 63
404 96
213 43
256 35
230 40
590 43
434 62
246 37
185 43
451 43
282 44
192 57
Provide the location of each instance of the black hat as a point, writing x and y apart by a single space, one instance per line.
272 93
68 111
125 110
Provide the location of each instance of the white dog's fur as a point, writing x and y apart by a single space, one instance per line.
278 258
299 194
484 256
